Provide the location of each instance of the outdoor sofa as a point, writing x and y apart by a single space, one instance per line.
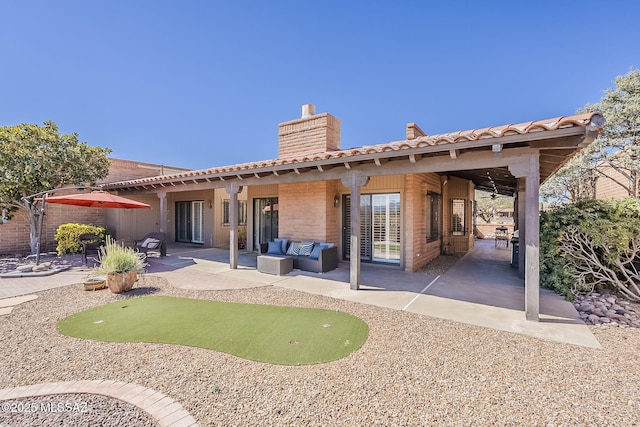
318 257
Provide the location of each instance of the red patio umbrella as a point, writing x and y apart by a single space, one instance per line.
97 199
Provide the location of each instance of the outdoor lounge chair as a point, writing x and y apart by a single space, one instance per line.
153 242
91 244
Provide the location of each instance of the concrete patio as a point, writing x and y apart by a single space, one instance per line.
480 289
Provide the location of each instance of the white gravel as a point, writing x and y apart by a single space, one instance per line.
412 371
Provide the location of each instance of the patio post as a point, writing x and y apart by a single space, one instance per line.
233 189
162 195
529 239
354 182
532 241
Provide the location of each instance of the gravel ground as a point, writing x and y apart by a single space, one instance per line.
412 371
440 264
73 410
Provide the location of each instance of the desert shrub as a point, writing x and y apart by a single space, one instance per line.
67 236
115 258
609 226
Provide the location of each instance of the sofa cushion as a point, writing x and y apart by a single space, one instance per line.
150 243
275 248
283 242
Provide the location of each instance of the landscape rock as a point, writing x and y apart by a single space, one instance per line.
596 309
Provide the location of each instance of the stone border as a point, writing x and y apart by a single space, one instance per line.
43 273
163 409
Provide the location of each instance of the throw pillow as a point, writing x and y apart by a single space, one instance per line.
293 249
315 252
305 248
275 248
150 243
284 243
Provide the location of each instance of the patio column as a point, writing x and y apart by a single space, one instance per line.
162 195
354 182
532 242
529 170
233 189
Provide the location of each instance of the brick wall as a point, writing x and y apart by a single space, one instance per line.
124 170
417 251
14 235
307 212
315 134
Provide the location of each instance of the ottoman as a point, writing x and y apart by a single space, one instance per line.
273 264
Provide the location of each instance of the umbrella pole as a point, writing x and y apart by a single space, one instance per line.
40 220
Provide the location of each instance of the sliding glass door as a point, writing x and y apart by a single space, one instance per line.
379 227
190 222
385 227
265 221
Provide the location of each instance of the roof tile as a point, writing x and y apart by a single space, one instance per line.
422 141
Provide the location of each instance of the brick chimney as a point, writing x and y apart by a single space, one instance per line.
312 133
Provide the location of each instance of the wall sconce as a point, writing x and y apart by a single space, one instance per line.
210 204
336 201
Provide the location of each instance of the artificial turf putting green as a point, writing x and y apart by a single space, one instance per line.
264 333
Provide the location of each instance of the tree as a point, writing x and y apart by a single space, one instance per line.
575 181
617 147
589 244
34 159
488 205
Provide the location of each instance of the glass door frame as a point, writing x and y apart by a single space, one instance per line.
265 221
188 223
368 228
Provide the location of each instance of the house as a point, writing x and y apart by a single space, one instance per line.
505 215
414 196
612 184
14 234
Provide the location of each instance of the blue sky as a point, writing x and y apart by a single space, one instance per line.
200 83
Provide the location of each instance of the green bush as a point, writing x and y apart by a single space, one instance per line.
67 236
611 222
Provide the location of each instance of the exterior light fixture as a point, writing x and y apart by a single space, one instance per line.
336 201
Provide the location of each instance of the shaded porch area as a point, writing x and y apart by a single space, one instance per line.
481 289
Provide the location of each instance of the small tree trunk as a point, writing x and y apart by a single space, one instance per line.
34 229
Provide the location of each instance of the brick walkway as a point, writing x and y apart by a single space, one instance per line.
163 409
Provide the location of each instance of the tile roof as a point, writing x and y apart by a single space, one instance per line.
580 120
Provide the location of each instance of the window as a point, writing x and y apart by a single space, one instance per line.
457 217
242 212
434 224
225 212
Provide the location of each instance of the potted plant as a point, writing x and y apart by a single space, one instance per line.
121 265
242 238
